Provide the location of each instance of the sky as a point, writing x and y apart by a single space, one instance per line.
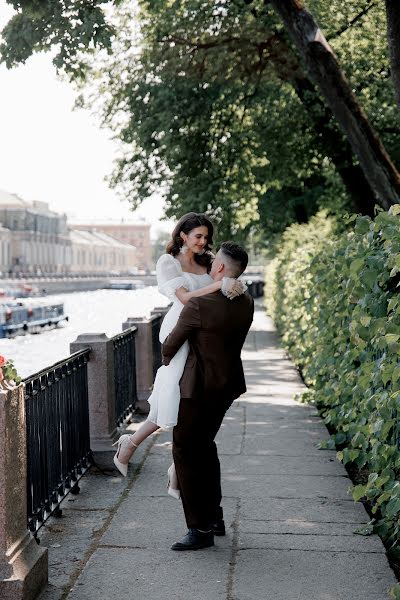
55 154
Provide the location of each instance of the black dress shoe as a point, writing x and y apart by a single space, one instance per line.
218 528
195 540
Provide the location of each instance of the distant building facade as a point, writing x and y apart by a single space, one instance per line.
36 240
5 249
136 234
96 252
39 237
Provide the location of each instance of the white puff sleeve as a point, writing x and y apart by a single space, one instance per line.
169 276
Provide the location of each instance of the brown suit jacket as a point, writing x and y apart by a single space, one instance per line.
216 329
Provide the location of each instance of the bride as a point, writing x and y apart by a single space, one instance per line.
182 274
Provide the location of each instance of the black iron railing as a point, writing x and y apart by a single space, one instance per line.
125 374
58 441
155 332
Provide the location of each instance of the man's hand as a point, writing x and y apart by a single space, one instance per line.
165 360
188 322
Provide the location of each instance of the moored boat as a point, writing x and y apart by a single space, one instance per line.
125 284
19 316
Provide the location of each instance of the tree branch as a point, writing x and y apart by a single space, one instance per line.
179 41
352 22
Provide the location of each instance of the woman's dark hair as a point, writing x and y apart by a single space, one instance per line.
186 224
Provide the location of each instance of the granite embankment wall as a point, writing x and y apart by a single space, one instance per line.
53 285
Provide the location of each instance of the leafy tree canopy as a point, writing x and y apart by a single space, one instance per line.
72 26
204 99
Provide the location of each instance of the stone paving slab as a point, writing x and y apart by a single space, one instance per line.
271 433
322 464
233 421
290 446
274 376
297 527
310 542
137 574
163 446
306 535
311 575
304 509
284 486
134 523
256 424
265 408
272 373
152 483
282 396
79 528
230 445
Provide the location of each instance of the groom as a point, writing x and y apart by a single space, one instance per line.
216 328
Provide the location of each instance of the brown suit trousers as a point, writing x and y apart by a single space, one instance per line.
196 459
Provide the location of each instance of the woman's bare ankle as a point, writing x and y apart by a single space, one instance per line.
134 444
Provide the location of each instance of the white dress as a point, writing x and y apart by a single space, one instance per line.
164 399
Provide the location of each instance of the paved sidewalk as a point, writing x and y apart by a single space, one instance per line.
290 517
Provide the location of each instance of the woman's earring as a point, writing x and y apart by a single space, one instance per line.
183 249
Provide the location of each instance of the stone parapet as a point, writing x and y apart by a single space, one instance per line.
23 564
101 388
160 310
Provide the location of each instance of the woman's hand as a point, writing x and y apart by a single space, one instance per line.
231 288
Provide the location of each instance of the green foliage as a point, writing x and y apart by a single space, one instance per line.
70 25
395 591
365 530
334 297
280 208
8 372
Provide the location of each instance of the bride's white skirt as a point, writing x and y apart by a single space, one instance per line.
165 397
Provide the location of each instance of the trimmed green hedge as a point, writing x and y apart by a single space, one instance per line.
335 300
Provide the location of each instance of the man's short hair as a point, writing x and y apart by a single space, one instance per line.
237 257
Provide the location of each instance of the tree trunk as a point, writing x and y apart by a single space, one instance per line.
324 69
393 33
331 140
336 146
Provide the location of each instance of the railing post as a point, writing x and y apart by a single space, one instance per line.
23 564
160 310
144 359
101 388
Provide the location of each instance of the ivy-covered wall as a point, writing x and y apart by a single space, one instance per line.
335 300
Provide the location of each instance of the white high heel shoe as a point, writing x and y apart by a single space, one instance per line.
172 479
125 452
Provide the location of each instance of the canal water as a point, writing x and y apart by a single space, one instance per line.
101 311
